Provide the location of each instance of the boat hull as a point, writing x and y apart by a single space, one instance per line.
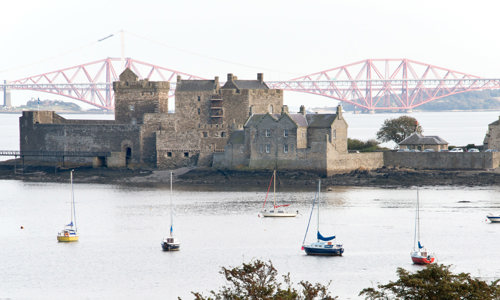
62 238
268 214
170 246
494 219
422 260
324 250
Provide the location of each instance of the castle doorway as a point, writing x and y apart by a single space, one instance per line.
128 156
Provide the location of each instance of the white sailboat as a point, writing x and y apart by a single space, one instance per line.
171 243
419 255
277 210
323 245
70 231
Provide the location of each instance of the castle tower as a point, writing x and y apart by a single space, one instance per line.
134 98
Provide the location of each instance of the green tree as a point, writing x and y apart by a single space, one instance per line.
398 129
258 280
434 282
368 146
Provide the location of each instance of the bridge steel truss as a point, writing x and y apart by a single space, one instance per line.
92 82
372 84
387 84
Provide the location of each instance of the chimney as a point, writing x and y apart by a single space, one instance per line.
216 79
229 77
339 112
260 77
284 109
302 110
178 78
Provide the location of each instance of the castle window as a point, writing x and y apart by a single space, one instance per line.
199 98
223 134
268 132
268 148
169 154
199 111
131 107
285 148
335 133
205 134
186 154
285 132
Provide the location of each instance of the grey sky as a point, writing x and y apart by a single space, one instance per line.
282 39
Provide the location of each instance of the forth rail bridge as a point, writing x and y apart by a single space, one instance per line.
370 85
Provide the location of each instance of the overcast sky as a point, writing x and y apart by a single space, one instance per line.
282 39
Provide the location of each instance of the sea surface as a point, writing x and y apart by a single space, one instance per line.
119 255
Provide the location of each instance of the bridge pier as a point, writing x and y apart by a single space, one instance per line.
6 95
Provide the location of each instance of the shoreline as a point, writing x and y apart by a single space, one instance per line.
229 179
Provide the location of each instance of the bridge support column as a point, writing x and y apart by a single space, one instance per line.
6 95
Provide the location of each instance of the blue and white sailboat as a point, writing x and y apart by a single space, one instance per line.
171 243
323 245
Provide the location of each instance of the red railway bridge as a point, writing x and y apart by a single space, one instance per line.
372 84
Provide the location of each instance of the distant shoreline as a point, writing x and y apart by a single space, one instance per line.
62 112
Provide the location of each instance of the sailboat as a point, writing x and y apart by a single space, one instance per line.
420 255
277 210
323 245
171 243
70 232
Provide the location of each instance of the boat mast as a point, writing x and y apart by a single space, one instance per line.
417 225
171 213
418 218
73 212
274 189
319 201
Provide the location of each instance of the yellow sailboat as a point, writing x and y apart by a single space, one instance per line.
70 231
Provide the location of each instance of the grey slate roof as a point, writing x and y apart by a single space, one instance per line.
300 119
255 119
237 137
196 85
246 85
311 120
418 139
320 120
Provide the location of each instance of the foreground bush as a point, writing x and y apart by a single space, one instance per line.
434 282
258 280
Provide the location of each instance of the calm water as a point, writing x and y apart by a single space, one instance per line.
119 253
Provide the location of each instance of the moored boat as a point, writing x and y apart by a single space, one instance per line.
419 255
70 231
277 210
171 243
493 218
323 245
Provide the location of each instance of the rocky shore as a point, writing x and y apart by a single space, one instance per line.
209 178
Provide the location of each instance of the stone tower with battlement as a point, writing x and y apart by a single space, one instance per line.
134 98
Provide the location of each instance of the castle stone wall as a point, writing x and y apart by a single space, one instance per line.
443 160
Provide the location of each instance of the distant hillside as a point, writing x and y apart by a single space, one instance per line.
478 100
55 105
